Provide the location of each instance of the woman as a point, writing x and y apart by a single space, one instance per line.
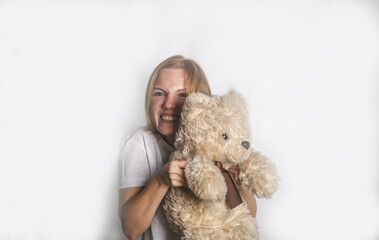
145 173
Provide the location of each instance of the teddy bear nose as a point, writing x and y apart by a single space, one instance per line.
246 144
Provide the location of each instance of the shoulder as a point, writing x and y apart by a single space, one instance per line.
134 163
139 137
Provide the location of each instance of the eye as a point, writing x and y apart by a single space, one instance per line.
224 136
183 95
158 94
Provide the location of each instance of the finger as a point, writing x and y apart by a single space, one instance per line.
178 184
179 171
174 176
176 167
179 163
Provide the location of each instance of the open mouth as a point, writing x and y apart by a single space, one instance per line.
169 117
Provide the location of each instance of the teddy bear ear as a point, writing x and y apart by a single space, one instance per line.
198 98
196 103
235 100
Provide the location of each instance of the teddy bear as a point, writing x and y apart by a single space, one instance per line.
214 137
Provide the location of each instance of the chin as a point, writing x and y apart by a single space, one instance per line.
167 131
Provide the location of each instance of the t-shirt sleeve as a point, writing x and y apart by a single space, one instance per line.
133 166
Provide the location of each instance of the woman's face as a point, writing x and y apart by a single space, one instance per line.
167 100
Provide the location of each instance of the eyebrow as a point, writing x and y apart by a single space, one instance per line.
179 90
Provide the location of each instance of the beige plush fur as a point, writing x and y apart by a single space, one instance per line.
201 211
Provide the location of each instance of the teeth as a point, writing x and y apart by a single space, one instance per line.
169 118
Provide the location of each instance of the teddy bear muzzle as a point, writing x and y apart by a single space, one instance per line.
246 144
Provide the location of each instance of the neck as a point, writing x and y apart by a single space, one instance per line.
169 140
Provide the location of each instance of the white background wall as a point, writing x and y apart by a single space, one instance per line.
72 84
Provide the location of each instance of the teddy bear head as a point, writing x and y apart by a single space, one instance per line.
216 127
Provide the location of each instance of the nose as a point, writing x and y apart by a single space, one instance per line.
246 144
169 103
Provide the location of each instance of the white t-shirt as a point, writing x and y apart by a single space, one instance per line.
143 155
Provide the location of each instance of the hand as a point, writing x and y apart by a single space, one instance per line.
172 173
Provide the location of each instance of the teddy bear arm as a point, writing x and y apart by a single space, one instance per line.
259 175
205 179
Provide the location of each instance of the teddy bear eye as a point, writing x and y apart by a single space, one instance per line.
224 136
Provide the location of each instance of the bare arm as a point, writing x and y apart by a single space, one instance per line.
138 205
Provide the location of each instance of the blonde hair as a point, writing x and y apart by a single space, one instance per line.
196 80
